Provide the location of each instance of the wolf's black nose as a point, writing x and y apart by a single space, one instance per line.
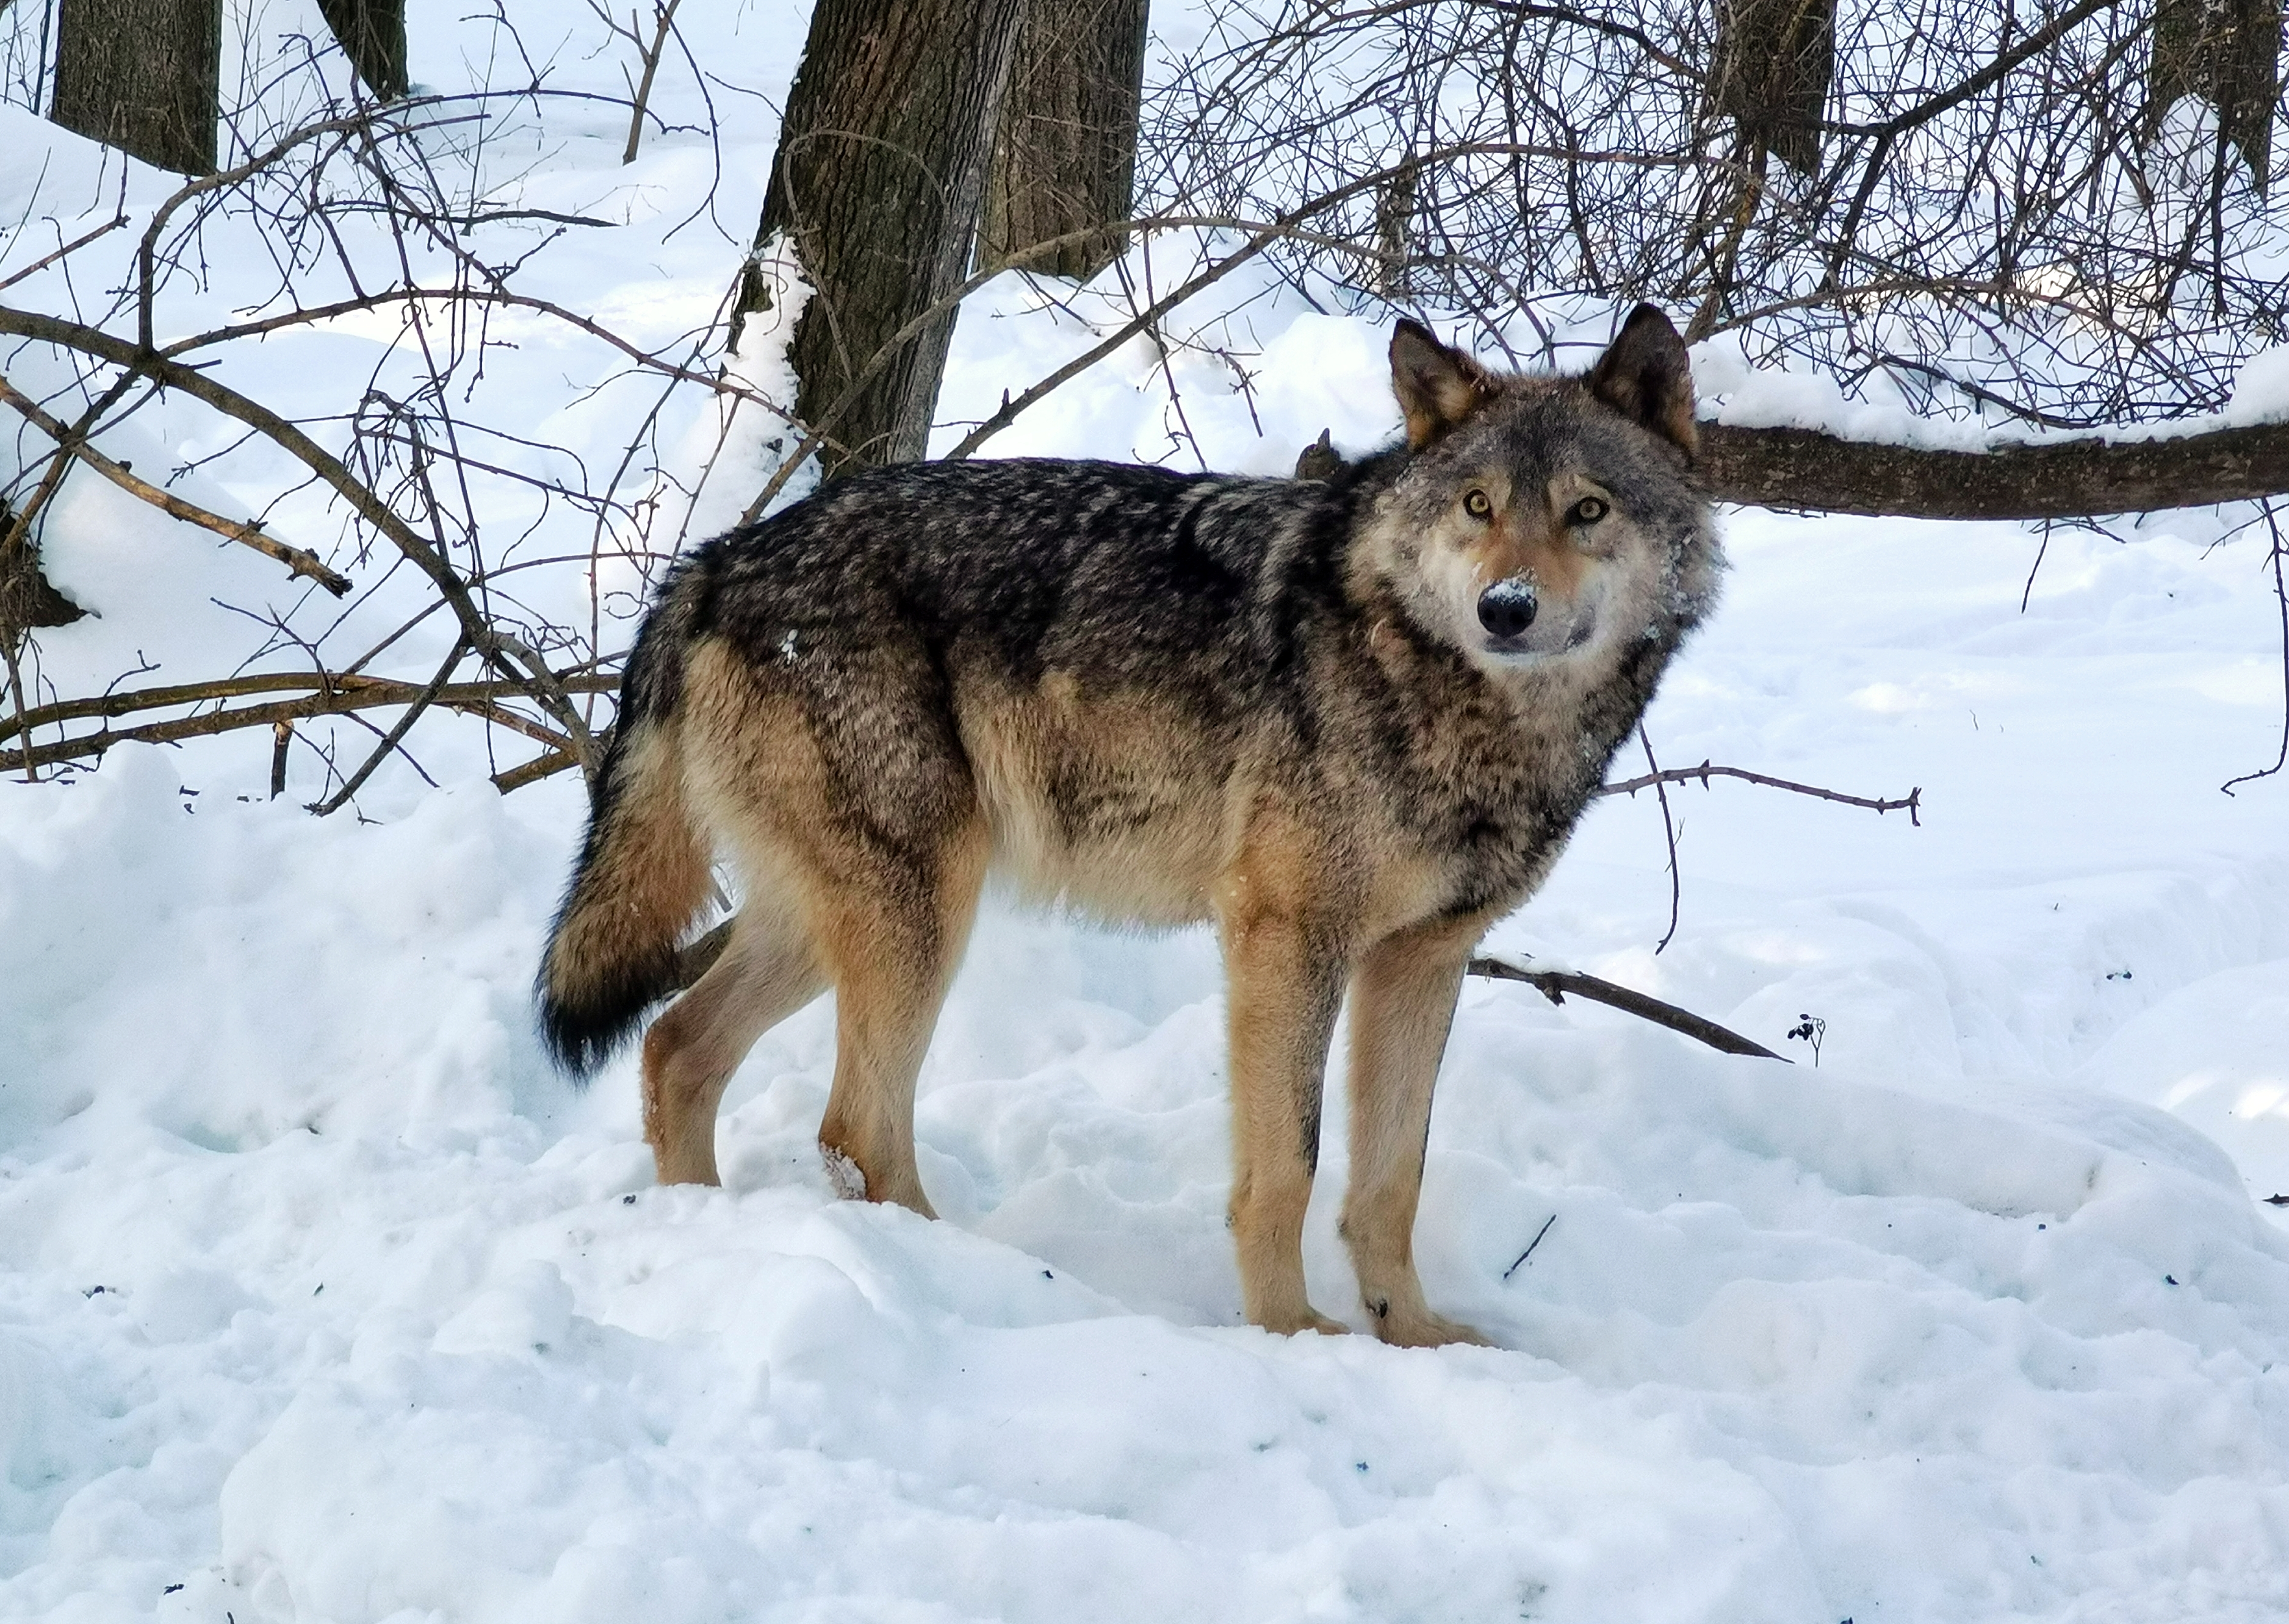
1507 607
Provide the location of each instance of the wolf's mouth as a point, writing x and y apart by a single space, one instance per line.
1527 646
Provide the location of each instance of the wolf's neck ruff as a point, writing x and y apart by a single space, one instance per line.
1351 722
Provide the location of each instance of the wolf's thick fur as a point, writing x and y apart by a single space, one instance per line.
1351 722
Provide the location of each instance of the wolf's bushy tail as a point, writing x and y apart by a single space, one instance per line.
643 869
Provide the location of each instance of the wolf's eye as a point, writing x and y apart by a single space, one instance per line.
1588 510
1479 505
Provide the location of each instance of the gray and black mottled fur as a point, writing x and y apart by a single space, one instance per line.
1352 721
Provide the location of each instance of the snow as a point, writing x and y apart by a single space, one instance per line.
321 1298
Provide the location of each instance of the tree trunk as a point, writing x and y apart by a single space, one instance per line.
373 36
1774 59
2227 53
28 600
1065 157
881 167
143 75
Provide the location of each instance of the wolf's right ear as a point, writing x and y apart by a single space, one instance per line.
1436 386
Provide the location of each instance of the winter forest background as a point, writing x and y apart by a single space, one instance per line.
362 365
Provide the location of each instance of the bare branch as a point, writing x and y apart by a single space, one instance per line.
512 659
318 694
1703 773
246 533
1554 985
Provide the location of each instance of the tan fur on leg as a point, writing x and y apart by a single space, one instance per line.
1403 1002
1283 983
892 949
767 973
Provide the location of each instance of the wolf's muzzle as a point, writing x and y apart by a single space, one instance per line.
1507 607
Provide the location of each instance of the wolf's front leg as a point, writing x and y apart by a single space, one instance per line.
1403 1002
1283 983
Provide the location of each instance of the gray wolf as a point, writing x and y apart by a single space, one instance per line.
1351 721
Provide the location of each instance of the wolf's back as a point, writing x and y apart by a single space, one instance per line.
642 872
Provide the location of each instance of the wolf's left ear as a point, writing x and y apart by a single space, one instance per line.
1436 386
1644 376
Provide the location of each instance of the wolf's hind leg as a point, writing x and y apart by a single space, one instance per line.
768 971
893 939
1402 1003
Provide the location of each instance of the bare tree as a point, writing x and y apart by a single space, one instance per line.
143 76
1064 156
876 187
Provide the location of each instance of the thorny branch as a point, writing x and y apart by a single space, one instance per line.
1912 805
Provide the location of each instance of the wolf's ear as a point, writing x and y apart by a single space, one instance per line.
1644 376
1436 386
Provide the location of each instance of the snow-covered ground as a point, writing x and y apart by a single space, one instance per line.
321 1299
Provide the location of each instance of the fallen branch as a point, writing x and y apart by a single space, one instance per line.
1912 805
248 533
1554 985
322 696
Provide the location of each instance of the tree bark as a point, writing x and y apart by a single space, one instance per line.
28 600
373 36
2228 52
1774 59
877 184
2065 479
1064 156
143 75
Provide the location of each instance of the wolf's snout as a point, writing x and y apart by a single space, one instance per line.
1507 607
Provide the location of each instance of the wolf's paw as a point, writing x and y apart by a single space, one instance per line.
843 1173
1424 1329
1310 1319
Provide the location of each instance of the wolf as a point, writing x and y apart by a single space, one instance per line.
1351 721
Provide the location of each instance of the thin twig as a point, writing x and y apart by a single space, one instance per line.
666 18
64 252
2281 602
389 741
1669 833
1912 804
1553 984
1530 1245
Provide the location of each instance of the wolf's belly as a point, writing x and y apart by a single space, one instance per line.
1116 809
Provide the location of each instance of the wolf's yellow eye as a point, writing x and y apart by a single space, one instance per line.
1479 505
1588 510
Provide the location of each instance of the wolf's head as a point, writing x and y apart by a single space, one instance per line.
1546 519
